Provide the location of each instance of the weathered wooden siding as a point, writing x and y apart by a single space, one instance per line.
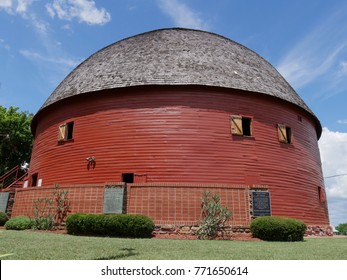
183 135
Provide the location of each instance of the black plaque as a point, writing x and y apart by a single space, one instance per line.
261 204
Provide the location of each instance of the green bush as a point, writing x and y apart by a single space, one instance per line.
43 223
3 218
18 223
272 228
120 225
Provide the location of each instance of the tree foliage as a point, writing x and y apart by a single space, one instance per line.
342 228
15 138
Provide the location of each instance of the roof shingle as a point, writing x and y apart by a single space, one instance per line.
176 57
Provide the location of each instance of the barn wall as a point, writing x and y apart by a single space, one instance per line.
184 136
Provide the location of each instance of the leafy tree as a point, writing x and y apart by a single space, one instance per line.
342 228
15 138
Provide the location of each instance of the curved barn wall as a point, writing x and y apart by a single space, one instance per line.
183 135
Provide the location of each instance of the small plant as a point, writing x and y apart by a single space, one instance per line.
49 211
62 205
18 223
271 228
43 216
213 216
3 218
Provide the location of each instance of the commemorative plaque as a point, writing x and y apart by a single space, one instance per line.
261 204
113 200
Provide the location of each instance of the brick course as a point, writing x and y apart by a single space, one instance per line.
83 199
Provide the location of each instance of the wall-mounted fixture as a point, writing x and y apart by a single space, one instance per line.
91 159
91 162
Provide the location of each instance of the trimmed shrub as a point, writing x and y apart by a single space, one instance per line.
272 228
3 218
119 225
18 223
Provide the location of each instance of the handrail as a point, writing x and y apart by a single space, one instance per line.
8 172
9 176
18 180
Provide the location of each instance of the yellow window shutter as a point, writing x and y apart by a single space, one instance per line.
236 125
282 133
62 132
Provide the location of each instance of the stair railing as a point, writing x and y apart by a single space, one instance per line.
9 177
20 179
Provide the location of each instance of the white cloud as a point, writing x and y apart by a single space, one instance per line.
40 26
343 67
333 149
319 57
302 65
23 5
6 5
35 56
342 121
16 6
52 66
4 45
83 10
181 14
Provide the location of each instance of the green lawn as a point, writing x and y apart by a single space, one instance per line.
23 245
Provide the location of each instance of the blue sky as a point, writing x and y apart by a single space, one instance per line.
306 40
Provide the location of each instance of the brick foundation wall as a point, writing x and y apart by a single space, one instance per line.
180 203
165 203
83 199
174 207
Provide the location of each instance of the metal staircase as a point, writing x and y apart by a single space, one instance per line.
13 178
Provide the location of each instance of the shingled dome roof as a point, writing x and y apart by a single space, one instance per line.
176 57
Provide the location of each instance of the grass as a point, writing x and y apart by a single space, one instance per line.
28 245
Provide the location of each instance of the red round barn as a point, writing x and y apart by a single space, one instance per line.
169 114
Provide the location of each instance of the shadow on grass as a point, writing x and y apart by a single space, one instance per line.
127 252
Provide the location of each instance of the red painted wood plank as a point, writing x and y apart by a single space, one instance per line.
184 135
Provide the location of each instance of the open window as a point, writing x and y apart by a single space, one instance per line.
34 178
65 132
128 178
284 133
241 126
